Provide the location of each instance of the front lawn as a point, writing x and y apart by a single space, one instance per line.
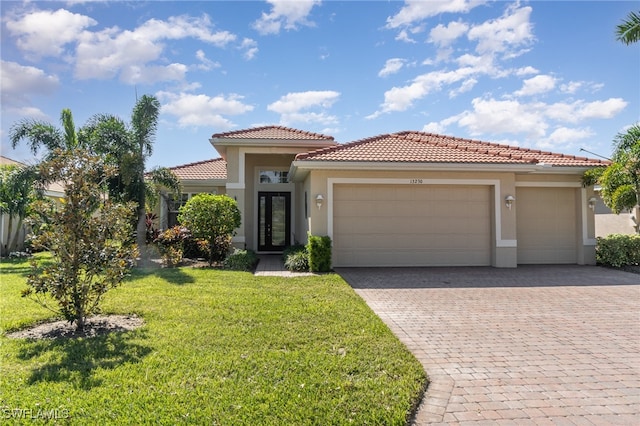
217 348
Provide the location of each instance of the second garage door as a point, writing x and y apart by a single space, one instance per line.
546 225
411 225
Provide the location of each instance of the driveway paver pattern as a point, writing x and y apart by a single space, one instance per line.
530 345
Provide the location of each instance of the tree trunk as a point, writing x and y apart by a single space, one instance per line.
9 232
14 240
141 235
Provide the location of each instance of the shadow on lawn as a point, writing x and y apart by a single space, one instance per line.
175 276
76 360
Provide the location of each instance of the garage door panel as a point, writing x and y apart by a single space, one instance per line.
409 257
546 230
411 225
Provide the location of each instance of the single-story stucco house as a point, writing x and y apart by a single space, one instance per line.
403 199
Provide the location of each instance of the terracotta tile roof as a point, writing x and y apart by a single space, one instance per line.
272 132
420 147
202 170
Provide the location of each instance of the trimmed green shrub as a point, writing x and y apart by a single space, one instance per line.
319 249
618 250
213 218
241 260
297 261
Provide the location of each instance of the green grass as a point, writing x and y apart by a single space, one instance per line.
218 348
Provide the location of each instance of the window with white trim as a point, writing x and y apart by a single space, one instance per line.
273 176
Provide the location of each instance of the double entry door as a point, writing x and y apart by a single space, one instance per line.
274 221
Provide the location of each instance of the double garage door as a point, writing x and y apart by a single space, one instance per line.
411 225
447 225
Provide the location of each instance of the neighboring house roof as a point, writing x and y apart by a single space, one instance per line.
202 170
5 161
420 147
272 132
53 189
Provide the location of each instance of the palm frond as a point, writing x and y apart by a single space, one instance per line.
629 30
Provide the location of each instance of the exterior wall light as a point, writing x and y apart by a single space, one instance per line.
508 201
319 201
592 203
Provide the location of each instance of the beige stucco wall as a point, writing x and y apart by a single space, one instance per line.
504 220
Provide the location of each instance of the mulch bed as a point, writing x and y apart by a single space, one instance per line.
95 326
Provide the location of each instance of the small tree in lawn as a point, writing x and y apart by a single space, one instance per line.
87 237
213 218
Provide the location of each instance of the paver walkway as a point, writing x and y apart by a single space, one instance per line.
530 345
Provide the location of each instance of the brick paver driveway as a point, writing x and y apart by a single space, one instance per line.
532 345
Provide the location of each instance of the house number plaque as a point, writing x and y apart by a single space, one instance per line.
415 180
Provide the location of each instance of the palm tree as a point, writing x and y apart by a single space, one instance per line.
40 134
127 147
629 30
144 123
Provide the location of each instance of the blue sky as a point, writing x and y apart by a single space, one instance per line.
542 74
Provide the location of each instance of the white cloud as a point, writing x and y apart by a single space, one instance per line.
19 79
496 39
574 86
134 56
566 135
392 66
136 74
294 102
502 35
418 10
490 116
445 35
600 109
528 70
536 85
285 14
45 33
434 127
250 47
19 83
293 107
404 36
203 110
466 86
401 98
206 64
114 52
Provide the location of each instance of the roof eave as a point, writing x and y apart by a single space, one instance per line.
203 182
403 166
221 144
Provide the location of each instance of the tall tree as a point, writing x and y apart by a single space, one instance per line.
628 31
128 146
144 123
